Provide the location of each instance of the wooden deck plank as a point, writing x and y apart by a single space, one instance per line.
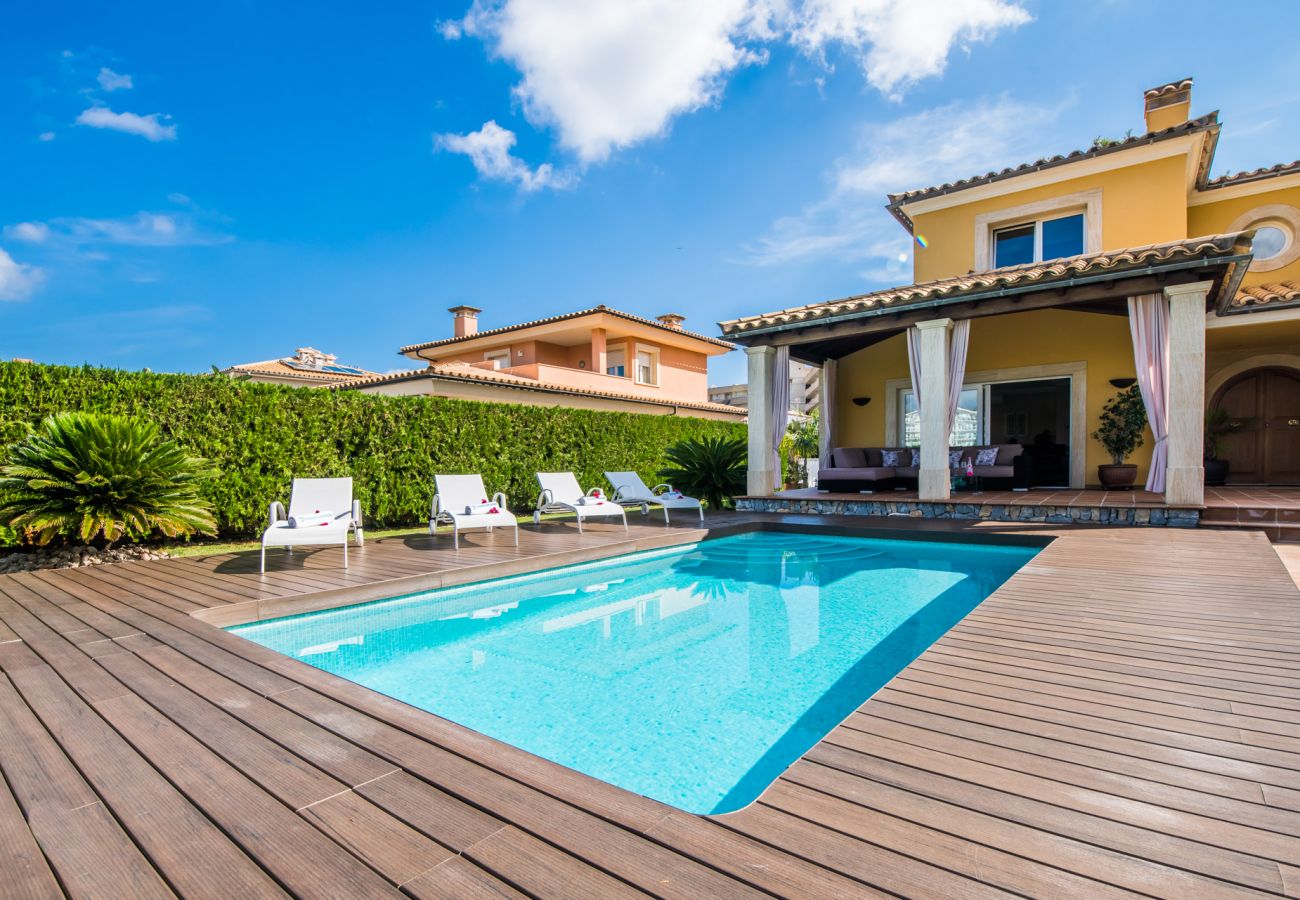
1120 716
459 879
193 856
27 873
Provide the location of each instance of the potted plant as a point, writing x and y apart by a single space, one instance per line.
1218 425
1120 431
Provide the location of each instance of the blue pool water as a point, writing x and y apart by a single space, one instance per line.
693 675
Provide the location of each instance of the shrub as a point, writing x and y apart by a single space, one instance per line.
1122 420
712 469
94 475
259 436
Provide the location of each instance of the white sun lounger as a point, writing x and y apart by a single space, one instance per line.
630 490
329 513
456 495
561 493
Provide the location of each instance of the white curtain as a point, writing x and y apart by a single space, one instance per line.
826 415
780 411
1148 320
914 363
958 341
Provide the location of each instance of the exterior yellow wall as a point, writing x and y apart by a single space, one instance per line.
1044 337
1215 218
1141 204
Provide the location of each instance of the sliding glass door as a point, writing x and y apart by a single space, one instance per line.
1034 412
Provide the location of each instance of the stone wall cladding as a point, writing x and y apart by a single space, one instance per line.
1053 515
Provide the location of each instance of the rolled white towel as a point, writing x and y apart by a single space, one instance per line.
317 518
590 501
482 509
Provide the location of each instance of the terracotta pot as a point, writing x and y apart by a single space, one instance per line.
1117 476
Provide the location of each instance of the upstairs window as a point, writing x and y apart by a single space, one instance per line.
1037 241
500 359
616 363
647 366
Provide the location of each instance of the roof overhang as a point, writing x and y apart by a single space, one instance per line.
1196 140
1098 282
565 328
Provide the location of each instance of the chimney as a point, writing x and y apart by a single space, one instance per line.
672 320
1168 105
464 320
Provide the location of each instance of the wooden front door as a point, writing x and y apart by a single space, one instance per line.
1266 449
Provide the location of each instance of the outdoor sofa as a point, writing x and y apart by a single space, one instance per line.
863 469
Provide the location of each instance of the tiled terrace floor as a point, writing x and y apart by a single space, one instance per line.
1121 717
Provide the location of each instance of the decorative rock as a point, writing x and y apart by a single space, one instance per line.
29 560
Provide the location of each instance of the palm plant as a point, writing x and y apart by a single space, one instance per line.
89 475
710 468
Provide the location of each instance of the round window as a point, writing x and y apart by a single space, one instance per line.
1269 241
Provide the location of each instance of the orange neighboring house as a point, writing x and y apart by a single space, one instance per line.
598 358
308 367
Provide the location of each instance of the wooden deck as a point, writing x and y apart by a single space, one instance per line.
1122 716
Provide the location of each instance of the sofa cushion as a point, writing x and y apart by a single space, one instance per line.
848 458
859 473
987 456
894 458
1008 452
874 456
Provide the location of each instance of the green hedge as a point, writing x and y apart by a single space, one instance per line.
260 436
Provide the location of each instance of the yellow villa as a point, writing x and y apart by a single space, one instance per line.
1040 291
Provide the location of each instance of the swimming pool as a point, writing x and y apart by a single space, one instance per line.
694 675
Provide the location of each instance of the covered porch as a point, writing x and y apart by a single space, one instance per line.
931 366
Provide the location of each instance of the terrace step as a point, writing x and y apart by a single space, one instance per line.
1281 525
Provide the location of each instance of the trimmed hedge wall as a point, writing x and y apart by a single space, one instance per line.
260 436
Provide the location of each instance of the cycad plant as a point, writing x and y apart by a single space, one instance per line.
710 468
99 475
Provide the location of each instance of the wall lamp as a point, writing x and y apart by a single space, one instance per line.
861 401
1123 383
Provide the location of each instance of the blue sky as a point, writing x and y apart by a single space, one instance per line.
188 185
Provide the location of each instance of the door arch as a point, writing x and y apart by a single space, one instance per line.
1266 448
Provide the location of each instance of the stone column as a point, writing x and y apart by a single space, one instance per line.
762 476
935 479
1185 472
598 357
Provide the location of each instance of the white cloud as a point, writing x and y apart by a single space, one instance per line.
47 136
900 42
144 229
610 75
17 280
113 81
930 147
31 232
489 150
150 127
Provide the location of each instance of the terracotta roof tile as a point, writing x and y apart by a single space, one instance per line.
1280 293
1173 87
467 372
563 317
1253 175
976 283
1207 122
